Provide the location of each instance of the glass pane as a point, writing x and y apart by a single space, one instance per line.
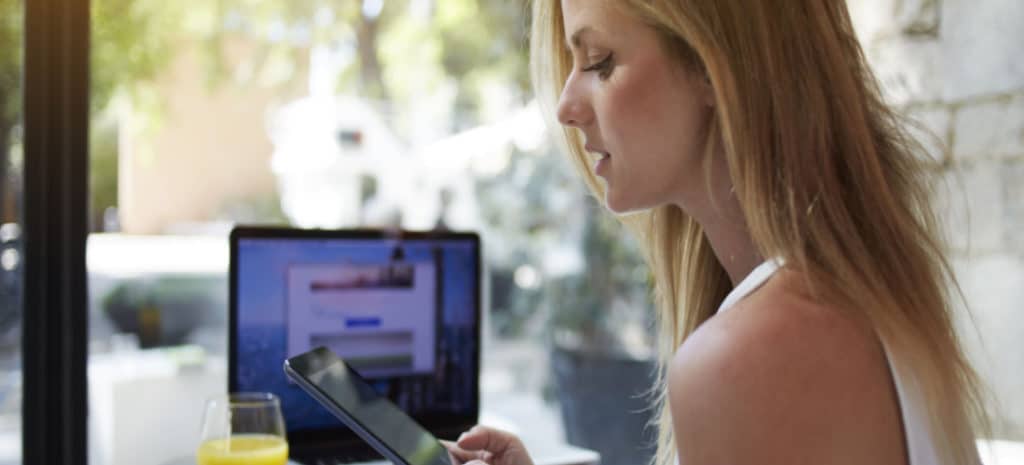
410 113
418 114
11 266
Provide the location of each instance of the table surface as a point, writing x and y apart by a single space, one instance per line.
544 437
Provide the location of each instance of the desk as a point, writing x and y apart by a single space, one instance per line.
537 425
129 393
1000 452
146 407
192 461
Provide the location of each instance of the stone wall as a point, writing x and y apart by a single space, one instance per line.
957 67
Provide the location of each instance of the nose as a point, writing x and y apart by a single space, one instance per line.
573 105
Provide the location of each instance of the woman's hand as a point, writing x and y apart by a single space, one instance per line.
483 445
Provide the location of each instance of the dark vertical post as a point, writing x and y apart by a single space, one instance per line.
56 83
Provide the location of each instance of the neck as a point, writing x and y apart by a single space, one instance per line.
721 217
731 242
724 224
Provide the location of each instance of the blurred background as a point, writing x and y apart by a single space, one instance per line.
419 114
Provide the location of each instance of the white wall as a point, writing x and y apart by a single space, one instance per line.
957 66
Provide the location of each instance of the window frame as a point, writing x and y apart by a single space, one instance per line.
55 215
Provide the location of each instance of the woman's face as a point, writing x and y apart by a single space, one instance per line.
643 115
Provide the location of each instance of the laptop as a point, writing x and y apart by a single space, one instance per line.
403 307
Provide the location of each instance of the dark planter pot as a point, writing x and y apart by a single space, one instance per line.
165 313
605 403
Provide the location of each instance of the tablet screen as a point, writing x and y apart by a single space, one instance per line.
336 382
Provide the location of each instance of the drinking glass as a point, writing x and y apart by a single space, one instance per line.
243 428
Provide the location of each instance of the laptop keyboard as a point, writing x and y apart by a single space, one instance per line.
368 458
338 461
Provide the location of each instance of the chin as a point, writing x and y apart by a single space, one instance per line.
632 201
619 205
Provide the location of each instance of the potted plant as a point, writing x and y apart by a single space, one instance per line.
584 288
163 311
601 345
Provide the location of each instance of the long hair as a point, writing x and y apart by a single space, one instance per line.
825 175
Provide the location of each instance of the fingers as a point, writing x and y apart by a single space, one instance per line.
483 438
453 456
461 456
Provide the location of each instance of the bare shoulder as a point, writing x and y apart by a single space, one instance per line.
781 378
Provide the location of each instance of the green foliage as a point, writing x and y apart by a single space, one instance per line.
103 169
130 44
472 44
412 54
469 41
488 36
611 293
395 56
264 209
536 206
132 41
484 42
11 20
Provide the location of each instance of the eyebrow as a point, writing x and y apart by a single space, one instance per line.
577 36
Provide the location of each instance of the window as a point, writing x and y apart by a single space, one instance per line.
318 114
418 114
11 252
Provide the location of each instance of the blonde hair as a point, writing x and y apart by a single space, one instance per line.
825 175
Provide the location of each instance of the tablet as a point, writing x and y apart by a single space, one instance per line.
378 421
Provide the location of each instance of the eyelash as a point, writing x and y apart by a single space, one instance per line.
604 67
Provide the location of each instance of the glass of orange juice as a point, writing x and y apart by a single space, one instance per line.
243 428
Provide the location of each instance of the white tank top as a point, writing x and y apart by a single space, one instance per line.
920 446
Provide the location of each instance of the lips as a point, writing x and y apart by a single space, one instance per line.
601 154
602 163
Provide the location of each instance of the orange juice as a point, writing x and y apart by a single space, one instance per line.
244 449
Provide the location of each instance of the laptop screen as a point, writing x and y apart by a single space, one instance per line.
403 308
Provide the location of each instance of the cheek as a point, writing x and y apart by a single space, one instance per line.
659 121
654 117
633 102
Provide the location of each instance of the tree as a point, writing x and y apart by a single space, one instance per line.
10 94
398 46
131 43
398 42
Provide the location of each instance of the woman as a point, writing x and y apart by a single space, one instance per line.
801 290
